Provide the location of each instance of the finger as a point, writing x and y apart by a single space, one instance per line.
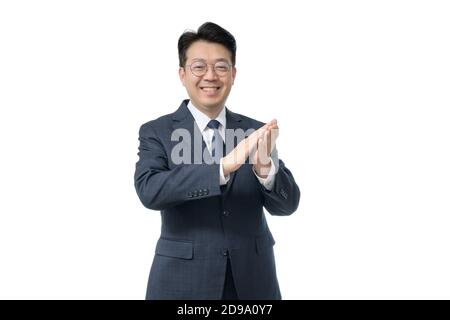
259 133
275 132
267 142
262 144
269 124
262 150
253 138
247 147
272 127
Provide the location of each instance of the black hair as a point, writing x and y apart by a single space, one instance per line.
209 32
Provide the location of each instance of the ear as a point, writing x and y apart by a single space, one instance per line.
182 75
233 74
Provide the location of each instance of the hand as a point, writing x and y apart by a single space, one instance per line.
266 144
237 157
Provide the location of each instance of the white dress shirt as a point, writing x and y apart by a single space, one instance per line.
202 121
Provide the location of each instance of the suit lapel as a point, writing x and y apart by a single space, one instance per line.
183 119
234 121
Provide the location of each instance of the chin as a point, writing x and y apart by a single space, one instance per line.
211 103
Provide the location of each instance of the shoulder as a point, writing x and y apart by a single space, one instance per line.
156 125
164 123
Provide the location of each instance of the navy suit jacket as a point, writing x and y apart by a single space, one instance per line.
202 223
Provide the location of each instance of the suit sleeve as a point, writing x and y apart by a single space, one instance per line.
159 187
284 197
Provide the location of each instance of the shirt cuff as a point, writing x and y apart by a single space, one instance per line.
222 179
269 181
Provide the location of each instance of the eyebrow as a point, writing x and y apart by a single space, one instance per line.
217 60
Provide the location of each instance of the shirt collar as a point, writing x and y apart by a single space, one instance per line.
202 119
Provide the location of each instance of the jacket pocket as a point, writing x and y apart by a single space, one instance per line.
175 248
264 242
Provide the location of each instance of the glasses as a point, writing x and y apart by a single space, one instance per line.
199 68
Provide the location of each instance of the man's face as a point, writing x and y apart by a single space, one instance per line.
209 91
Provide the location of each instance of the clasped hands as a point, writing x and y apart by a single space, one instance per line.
258 146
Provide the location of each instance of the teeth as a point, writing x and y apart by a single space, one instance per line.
210 89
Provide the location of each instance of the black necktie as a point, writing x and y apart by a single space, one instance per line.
217 144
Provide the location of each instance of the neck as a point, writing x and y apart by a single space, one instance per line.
212 113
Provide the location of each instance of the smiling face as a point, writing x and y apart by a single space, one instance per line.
210 91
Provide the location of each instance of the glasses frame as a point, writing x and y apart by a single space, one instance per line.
207 68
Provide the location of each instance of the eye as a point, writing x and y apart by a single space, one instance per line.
198 66
222 67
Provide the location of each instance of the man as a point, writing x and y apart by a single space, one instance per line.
215 242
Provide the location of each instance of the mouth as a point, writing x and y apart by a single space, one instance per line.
210 89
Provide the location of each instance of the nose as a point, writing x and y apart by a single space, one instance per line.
210 73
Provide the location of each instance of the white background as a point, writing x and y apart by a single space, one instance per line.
361 93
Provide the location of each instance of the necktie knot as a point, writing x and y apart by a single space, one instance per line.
213 124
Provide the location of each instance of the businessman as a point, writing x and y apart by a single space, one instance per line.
211 172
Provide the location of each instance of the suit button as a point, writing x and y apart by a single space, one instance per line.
225 252
226 213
